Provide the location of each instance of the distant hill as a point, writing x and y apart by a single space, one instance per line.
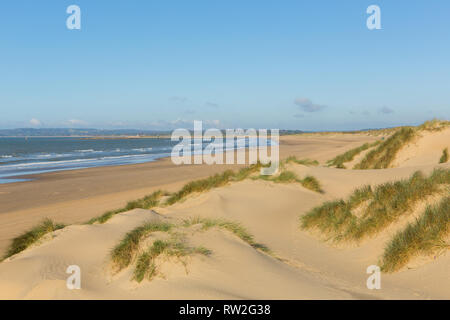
64 132
55 132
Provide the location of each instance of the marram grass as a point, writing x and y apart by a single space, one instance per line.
444 157
28 238
286 176
146 202
383 155
348 156
385 204
123 254
146 265
425 236
231 226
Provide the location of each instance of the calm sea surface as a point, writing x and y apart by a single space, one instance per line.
24 156
21 156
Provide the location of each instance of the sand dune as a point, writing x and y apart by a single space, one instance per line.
426 149
303 266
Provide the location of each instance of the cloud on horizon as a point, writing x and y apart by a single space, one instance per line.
35 122
386 110
77 122
178 99
211 104
308 106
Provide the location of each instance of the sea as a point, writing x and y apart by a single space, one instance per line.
20 156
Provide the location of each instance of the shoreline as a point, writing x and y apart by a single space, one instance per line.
75 196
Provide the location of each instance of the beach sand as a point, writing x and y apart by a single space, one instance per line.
76 196
306 267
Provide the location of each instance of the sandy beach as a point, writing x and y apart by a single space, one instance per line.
75 196
302 266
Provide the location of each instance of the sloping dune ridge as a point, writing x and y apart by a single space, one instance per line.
301 264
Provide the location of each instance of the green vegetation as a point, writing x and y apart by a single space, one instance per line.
339 160
305 162
425 236
382 156
215 181
28 238
175 246
444 157
385 204
123 254
311 183
202 185
286 176
146 202
434 125
233 227
146 266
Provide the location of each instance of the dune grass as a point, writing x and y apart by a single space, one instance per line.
146 202
385 204
305 162
434 125
425 236
286 176
231 226
122 254
146 266
215 181
28 238
201 185
444 157
126 251
339 160
311 183
382 156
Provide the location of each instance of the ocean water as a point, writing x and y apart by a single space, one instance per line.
21 156
25 156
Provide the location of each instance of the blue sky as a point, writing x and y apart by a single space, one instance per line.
309 65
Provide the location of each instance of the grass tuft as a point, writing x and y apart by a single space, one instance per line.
434 125
382 156
146 202
233 227
339 160
311 183
444 157
425 236
28 238
386 203
286 176
123 254
146 266
305 162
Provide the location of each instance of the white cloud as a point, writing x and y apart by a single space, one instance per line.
386 110
77 122
178 99
35 122
307 105
211 104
